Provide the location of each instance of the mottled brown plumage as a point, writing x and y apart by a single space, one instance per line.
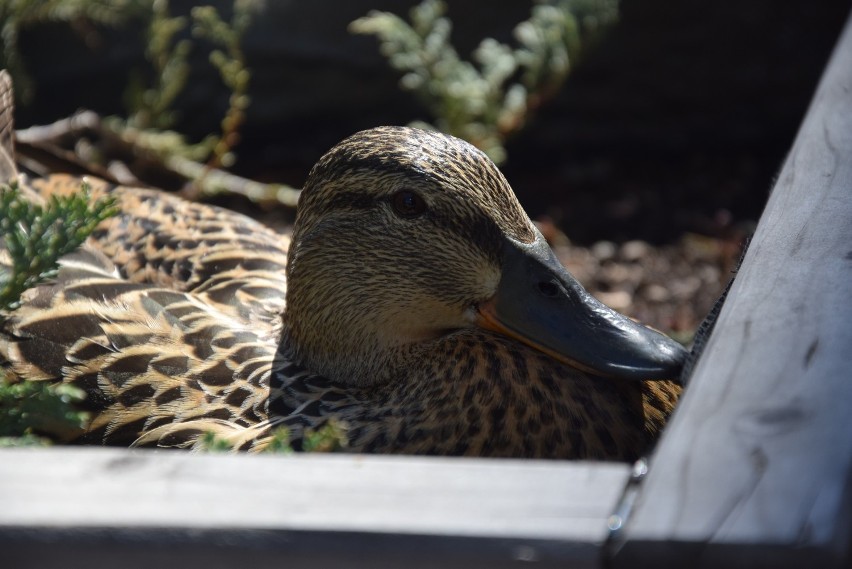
171 319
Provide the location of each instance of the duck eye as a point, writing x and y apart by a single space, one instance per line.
407 204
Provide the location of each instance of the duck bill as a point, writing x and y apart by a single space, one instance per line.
540 304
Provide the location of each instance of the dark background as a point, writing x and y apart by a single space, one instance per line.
675 122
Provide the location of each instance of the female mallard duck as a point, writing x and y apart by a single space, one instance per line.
423 309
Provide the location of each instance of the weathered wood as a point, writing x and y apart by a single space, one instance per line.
113 507
756 466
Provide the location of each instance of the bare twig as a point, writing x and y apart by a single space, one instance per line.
42 149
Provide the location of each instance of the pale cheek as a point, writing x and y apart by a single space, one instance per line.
490 280
419 321
471 316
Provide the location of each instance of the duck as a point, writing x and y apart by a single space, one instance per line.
415 304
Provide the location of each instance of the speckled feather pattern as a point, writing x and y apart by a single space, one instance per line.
7 131
170 318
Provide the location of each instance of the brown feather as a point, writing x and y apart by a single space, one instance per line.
170 319
7 128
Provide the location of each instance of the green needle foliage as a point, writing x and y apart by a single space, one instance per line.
36 237
170 40
150 109
279 443
31 407
232 68
331 437
151 106
486 100
210 442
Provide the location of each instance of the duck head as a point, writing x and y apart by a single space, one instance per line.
404 237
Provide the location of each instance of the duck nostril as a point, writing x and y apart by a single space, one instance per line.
548 288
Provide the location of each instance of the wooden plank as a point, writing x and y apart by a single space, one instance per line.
756 467
110 505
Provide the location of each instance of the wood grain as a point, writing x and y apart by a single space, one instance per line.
452 512
756 467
